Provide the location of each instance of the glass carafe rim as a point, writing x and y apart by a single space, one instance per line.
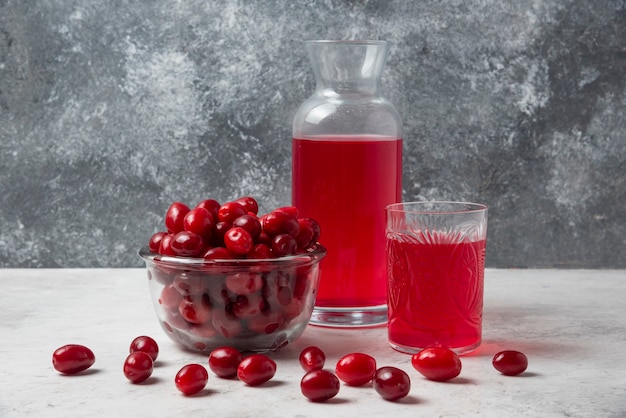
347 41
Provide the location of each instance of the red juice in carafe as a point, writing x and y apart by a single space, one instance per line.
435 293
345 182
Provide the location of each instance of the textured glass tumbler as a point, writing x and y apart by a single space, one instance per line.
435 275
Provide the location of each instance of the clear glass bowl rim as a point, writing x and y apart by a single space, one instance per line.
312 255
436 207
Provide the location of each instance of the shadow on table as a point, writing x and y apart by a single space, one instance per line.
532 330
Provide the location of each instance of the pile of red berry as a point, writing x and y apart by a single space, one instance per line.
257 299
233 230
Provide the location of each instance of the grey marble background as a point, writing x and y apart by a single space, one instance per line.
111 110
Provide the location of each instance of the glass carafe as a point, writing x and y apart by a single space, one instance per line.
346 167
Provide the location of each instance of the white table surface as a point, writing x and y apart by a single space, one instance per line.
570 323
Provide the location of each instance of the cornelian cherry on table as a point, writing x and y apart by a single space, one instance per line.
391 383
72 358
138 366
510 362
319 385
191 379
312 358
437 363
256 369
145 344
356 369
224 361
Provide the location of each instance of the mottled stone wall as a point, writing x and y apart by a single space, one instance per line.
111 110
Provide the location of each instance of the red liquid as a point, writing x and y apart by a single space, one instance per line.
345 183
435 293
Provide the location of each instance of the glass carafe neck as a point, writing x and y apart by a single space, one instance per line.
347 67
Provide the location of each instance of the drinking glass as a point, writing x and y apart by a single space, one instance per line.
435 275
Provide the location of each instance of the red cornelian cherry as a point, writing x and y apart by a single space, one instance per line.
188 284
260 251
247 307
510 362
221 227
284 244
264 238
249 203
72 358
290 210
312 358
238 240
437 363
191 379
244 282
256 369
212 205
145 344
391 383
155 241
165 246
175 216
230 211
218 253
224 361
319 385
356 369
199 221
308 234
225 324
187 244
170 297
138 366
250 223
279 222
195 311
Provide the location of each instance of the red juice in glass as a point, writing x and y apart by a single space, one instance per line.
435 293
345 182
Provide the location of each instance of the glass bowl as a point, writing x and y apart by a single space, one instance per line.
251 305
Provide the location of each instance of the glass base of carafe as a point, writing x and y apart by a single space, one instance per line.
461 351
349 317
